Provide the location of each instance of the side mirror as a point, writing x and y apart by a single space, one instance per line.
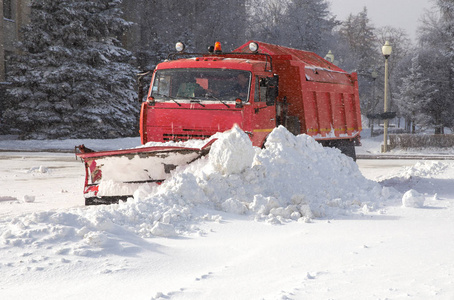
272 89
140 85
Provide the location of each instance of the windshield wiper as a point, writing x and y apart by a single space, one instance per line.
193 100
214 97
168 97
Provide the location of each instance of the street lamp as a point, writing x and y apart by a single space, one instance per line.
386 50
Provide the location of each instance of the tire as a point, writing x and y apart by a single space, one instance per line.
293 125
347 147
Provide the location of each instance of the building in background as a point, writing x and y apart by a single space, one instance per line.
15 14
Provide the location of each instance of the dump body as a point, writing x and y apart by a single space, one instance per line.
314 97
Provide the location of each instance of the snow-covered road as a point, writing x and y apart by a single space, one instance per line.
52 247
54 180
48 176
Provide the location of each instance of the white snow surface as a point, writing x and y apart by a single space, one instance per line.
291 221
413 199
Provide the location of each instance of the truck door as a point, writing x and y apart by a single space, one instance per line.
264 116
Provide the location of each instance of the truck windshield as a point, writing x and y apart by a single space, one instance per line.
201 84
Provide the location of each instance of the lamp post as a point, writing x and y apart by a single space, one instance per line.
386 50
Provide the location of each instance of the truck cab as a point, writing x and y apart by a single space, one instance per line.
258 87
193 98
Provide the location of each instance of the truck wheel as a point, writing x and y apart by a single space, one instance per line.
347 147
293 125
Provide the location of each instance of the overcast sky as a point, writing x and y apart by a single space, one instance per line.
396 13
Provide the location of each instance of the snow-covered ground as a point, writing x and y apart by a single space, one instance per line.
292 221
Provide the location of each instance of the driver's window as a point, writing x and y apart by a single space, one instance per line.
260 89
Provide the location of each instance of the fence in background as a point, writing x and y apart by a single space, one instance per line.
421 141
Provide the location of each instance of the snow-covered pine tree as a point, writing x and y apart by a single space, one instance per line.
437 35
447 25
308 25
360 53
301 24
73 78
358 32
415 95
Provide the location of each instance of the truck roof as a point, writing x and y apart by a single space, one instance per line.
212 61
315 67
309 59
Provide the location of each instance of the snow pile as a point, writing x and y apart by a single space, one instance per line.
293 178
413 199
39 170
425 168
411 176
7 198
232 154
29 198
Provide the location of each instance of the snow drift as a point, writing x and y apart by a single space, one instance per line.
413 199
293 178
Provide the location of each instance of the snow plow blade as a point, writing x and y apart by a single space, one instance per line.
111 176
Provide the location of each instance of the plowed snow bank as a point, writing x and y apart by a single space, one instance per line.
293 178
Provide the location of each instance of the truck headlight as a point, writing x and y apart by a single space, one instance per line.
253 46
180 46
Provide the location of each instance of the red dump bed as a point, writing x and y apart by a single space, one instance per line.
323 97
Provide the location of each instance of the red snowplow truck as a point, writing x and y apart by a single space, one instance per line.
258 87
